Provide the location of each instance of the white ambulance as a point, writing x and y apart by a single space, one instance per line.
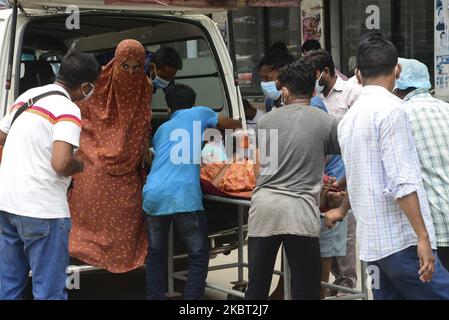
35 35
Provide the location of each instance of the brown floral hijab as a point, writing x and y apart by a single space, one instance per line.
117 117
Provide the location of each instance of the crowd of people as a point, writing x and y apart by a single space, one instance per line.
379 139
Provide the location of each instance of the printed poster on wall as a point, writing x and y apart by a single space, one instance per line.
442 48
312 21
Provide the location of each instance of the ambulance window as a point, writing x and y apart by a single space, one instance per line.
199 72
28 57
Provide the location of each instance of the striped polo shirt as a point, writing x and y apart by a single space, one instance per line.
28 184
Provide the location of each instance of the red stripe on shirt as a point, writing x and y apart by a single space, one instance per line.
17 106
70 118
52 118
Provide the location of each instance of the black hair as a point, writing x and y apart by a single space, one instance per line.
408 90
250 111
275 60
78 68
310 45
247 104
299 78
320 59
180 96
279 48
167 56
376 55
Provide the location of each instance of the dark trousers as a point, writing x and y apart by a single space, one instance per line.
303 254
396 278
192 230
443 254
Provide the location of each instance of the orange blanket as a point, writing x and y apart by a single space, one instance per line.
235 179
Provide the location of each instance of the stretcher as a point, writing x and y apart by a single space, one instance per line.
240 284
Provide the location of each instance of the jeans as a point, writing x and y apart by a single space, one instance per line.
304 258
37 245
398 278
192 230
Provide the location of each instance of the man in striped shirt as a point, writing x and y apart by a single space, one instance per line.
429 118
40 133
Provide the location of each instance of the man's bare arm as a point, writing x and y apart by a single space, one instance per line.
2 138
411 208
228 123
338 214
63 161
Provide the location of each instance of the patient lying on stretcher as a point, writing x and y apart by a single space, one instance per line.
237 178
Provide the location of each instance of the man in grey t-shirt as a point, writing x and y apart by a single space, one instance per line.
285 203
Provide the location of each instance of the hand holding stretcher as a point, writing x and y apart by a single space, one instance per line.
331 195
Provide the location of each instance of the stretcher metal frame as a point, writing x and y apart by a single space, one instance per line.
240 264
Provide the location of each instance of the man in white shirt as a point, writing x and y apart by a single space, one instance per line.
337 94
394 226
39 135
312 45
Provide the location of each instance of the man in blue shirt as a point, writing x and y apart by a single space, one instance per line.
335 166
172 192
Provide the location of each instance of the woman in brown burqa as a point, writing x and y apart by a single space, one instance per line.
108 228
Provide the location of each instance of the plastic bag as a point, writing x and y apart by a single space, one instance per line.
214 152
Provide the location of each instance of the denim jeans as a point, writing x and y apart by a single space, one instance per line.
37 245
398 278
192 230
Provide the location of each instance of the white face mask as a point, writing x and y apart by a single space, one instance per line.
319 88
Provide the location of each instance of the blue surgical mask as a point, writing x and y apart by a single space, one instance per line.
160 83
270 91
318 87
